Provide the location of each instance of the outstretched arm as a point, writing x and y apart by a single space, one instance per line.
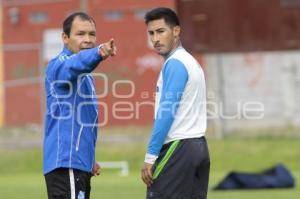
70 67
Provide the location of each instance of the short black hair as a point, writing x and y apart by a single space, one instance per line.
67 25
167 14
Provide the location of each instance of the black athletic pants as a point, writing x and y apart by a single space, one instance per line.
181 171
64 183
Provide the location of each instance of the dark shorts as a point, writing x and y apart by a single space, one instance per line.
64 183
181 171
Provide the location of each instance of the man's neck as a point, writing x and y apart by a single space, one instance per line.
176 46
67 50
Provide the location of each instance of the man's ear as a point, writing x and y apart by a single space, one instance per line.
65 38
176 31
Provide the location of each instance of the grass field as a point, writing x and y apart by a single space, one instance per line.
21 177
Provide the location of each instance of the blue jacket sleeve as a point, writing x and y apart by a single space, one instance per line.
70 67
175 77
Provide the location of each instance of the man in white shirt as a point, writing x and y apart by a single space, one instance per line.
177 161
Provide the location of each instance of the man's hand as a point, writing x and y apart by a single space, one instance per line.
146 174
108 49
96 169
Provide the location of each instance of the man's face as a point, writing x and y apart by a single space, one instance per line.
163 37
82 35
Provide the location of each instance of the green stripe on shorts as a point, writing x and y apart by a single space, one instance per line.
165 159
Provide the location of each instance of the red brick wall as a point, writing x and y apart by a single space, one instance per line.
24 103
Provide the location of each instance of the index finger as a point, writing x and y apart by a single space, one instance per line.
111 42
149 174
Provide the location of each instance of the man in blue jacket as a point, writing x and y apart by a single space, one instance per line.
71 118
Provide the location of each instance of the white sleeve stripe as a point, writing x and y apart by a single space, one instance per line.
150 159
72 183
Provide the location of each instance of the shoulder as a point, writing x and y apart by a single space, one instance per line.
174 61
62 57
188 60
56 62
173 64
182 55
175 68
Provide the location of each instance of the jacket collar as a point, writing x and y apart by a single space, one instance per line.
67 51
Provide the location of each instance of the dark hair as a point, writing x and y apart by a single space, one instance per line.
67 25
167 14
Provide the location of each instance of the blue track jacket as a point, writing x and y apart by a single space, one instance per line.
71 117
